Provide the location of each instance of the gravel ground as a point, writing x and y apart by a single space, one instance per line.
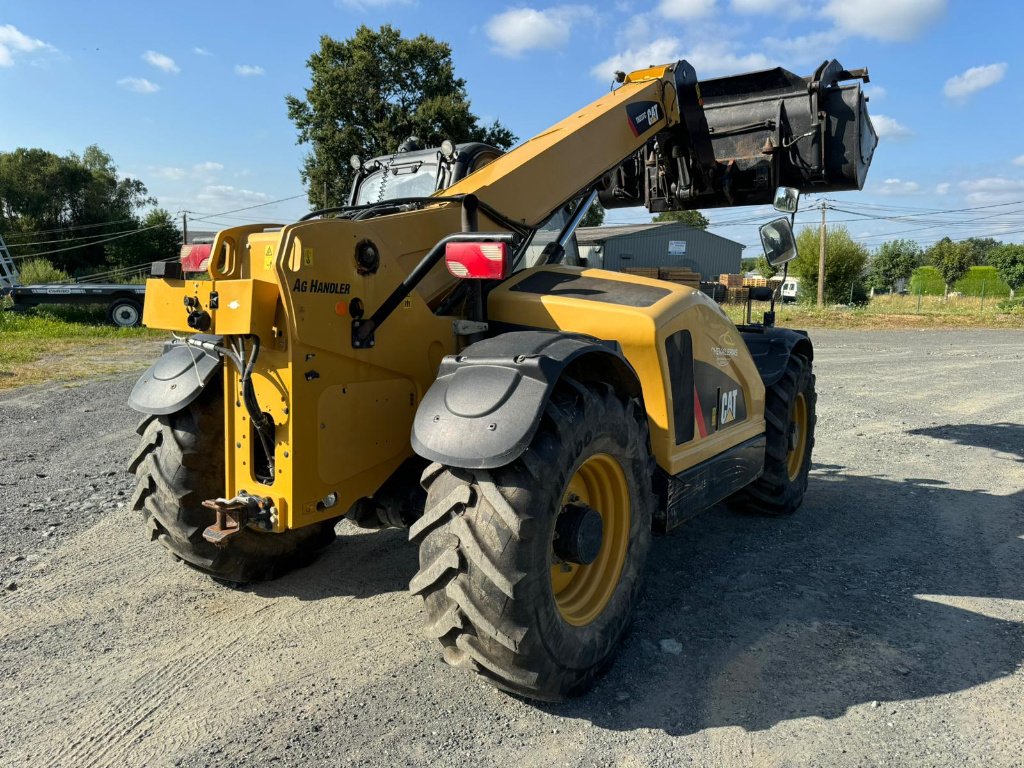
882 625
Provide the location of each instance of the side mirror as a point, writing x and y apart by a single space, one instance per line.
787 199
778 241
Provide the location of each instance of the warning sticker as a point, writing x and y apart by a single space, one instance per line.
307 257
268 257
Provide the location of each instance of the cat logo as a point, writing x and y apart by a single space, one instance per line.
729 406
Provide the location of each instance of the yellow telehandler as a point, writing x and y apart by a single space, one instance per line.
433 356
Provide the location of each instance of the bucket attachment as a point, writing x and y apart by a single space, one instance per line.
742 136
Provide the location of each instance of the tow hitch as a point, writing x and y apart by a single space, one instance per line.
234 515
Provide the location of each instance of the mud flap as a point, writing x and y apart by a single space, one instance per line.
176 379
487 401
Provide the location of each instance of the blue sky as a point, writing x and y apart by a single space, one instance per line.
189 96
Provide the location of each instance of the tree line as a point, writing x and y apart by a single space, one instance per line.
852 271
77 212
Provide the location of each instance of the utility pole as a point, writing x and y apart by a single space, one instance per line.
325 195
184 228
821 258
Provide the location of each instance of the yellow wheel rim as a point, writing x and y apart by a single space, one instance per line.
798 437
582 591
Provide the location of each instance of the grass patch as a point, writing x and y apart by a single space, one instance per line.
893 312
69 344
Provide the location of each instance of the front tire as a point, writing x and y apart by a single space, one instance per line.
498 599
790 417
179 464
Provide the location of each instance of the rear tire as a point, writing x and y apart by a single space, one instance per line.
178 465
497 598
125 313
790 417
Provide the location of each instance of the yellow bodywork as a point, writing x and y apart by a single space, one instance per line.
343 415
642 331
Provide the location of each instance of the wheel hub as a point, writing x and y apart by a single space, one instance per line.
579 532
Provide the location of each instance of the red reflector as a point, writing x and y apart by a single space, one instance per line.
195 258
477 261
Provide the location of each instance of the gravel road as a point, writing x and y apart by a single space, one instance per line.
882 625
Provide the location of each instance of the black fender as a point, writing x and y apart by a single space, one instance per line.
484 408
771 348
177 378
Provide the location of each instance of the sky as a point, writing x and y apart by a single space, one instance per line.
189 97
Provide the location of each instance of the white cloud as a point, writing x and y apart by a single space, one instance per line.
521 29
1018 160
709 59
786 8
943 188
685 9
898 187
13 41
161 61
884 19
169 172
975 79
248 70
814 47
205 171
223 197
875 92
993 189
138 85
201 51
887 127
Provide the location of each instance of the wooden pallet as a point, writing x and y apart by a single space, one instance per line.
686 277
651 272
731 281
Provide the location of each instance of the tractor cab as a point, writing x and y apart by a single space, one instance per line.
415 172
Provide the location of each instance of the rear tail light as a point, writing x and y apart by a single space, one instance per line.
477 260
195 258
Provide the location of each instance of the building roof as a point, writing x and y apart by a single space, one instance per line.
598 235
592 235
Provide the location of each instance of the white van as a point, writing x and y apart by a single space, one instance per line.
789 288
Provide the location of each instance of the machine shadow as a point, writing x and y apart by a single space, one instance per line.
1003 436
357 564
840 605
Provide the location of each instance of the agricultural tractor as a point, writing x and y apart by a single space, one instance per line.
431 356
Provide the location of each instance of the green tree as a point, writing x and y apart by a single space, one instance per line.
695 219
372 91
158 239
1009 263
895 260
951 260
64 207
981 248
765 268
845 261
594 216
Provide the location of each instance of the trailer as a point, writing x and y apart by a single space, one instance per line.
123 301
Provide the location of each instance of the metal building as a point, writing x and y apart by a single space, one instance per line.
659 244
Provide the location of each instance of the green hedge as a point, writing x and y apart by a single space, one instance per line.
927 280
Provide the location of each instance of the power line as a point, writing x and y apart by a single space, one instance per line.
250 207
69 239
69 227
77 247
